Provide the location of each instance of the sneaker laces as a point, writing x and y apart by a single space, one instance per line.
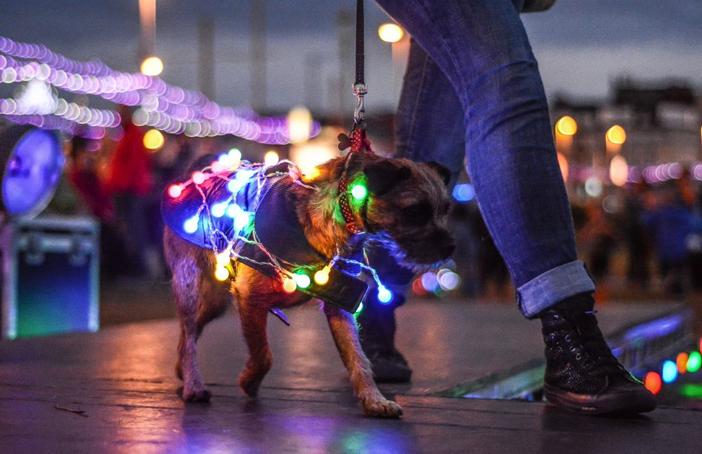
599 358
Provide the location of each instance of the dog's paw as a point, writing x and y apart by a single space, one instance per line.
201 395
381 408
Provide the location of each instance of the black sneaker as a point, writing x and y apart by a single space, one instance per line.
389 366
582 374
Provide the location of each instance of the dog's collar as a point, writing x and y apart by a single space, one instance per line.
346 211
358 143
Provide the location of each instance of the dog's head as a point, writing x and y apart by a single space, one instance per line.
408 209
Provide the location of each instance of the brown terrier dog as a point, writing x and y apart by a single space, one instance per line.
407 209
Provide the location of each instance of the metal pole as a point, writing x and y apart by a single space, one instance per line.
258 54
147 22
206 63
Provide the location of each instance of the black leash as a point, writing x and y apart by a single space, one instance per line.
360 51
359 85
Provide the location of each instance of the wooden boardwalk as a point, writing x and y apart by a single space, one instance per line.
114 391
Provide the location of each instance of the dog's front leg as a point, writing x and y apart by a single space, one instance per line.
345 333
253 325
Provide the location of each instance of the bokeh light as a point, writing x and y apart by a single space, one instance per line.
429 282
563 165
310 155
652 382
448 280
618 171
271 158
299 124
616 135
390 33
463 192
694 362
152 66
593 187
567 125
153 139
669 371
681 362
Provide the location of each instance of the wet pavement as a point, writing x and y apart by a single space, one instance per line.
114 391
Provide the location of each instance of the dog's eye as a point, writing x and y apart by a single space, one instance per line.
417 214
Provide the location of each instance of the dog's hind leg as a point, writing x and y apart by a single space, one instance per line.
199 299
197 305
345 332
253 324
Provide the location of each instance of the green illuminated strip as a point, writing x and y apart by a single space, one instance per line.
690 390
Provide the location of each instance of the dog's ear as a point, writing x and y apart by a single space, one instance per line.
382 175
443 172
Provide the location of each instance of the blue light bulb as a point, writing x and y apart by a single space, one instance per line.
234 186
218 209
241 220
233 210
191 224
384 295
670 371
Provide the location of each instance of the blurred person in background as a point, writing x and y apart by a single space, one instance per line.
84 174
636 236
597 238
130 180
671 222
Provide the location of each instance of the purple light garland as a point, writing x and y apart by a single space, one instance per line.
162 106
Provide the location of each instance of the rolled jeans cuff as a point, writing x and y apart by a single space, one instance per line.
553 286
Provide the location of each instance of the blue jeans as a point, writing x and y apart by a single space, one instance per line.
473 86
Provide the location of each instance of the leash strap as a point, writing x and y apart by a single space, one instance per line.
359 85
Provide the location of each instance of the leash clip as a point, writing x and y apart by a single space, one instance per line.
359 112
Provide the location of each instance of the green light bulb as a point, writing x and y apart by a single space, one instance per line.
301 279
359 191
694 361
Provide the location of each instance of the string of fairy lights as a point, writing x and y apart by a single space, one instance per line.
685 362
159 105
238 176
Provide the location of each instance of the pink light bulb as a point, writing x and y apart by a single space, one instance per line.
199 177
175 190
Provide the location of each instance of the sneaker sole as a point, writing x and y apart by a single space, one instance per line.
624 403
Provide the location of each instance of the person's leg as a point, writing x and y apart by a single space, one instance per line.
377 319
429 127
483 50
